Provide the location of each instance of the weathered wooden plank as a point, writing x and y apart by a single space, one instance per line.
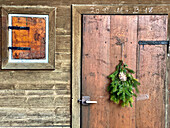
28 9
95 68
63 56
35 93
130 43
21 76
47 85
167 82
100 56
7 86
63 20
167 107
35 102
152 72
76 67
1 31
4 93
4 34
69 2
12 101
62 62
62 31
64 11
123 47
123 9
57 126
47 93
34 117
63 43
63 24
48 101
63 66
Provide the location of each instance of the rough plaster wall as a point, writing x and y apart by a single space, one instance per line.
42 98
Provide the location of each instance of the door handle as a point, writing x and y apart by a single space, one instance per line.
86 100
91 102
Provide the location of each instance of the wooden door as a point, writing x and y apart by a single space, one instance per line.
108 39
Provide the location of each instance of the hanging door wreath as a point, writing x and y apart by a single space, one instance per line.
122 85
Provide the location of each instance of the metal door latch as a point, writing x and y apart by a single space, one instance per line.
86 100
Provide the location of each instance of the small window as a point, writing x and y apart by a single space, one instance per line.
28 38
34 38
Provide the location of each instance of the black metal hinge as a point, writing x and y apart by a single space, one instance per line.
164 42
18 28
153 42
19 48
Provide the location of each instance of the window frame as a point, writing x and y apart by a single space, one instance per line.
7 11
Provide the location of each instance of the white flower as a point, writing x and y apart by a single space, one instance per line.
122 76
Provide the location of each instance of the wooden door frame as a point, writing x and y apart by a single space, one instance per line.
77 11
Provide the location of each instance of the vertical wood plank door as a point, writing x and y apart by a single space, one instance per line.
150 113
108 39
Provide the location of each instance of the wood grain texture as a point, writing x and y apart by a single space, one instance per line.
106 40
123 47
123 9
34 117
4 37
69 2
95 62
63 20
116 9
76 67
63 43
33 80
28 9
152 72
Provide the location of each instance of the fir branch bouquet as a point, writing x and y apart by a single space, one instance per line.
122 85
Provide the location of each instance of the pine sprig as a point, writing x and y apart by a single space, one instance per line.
122 85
